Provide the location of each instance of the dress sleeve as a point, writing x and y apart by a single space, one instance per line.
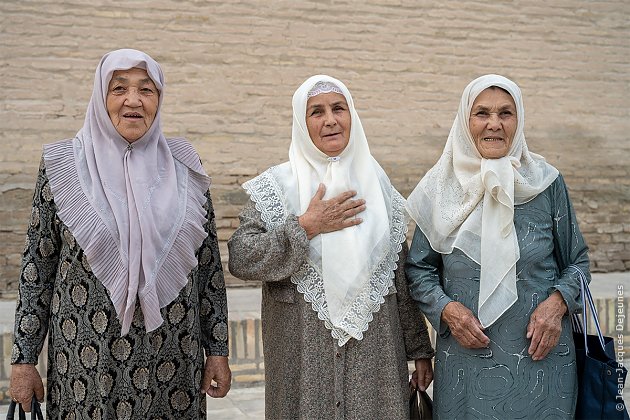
261 254
569 247
412 321
423 268
213 299
40 261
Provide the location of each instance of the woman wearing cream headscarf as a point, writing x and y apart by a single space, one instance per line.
325 233
122 266
489 265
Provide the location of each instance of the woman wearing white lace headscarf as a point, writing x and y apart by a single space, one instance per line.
489 265
325 233
122 266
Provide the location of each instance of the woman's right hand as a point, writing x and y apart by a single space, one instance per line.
323 216
26 381
464 326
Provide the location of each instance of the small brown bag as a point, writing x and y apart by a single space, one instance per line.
420 405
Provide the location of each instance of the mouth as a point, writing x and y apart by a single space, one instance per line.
492 139
133 115
330 135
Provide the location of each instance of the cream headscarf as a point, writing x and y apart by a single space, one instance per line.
467 202
348 271
135 209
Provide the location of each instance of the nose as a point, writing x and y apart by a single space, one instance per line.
494 122
329 118
133 98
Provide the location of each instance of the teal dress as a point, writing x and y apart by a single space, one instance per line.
502 381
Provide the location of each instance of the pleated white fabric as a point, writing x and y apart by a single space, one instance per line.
135 209
467 202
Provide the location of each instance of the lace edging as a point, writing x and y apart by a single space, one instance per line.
356 321
266 194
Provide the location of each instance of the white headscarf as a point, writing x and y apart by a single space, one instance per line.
351 270
467 202
135 209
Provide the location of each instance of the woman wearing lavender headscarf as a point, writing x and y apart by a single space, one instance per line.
121 267
494 266
325 233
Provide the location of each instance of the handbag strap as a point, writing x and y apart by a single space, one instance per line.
586 296
36 411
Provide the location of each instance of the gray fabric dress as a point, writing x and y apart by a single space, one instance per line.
93 372
307 375
502 381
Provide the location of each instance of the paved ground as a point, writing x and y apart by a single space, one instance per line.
239 404
248 403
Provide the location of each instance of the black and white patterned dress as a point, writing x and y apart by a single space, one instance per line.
93 372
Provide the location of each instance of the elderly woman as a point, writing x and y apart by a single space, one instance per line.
338 322
121 266
490 266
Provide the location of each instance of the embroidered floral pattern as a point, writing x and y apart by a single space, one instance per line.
89 357
141 378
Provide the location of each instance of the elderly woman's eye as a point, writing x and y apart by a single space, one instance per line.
506 114
481 114
118 89
147 90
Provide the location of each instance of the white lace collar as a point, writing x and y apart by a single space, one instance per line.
269 198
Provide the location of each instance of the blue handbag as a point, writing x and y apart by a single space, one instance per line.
600 378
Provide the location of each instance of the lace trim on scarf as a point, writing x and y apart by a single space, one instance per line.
267 195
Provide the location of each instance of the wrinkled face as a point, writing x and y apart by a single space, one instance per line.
132 102
493 122
328 122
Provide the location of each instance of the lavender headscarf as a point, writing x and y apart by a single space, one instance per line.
135 209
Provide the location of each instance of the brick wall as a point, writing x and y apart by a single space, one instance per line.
232 66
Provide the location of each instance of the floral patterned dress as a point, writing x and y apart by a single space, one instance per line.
93 371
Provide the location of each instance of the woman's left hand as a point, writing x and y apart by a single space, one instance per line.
217 370
423 375
545 326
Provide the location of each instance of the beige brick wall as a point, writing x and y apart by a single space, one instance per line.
232 66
